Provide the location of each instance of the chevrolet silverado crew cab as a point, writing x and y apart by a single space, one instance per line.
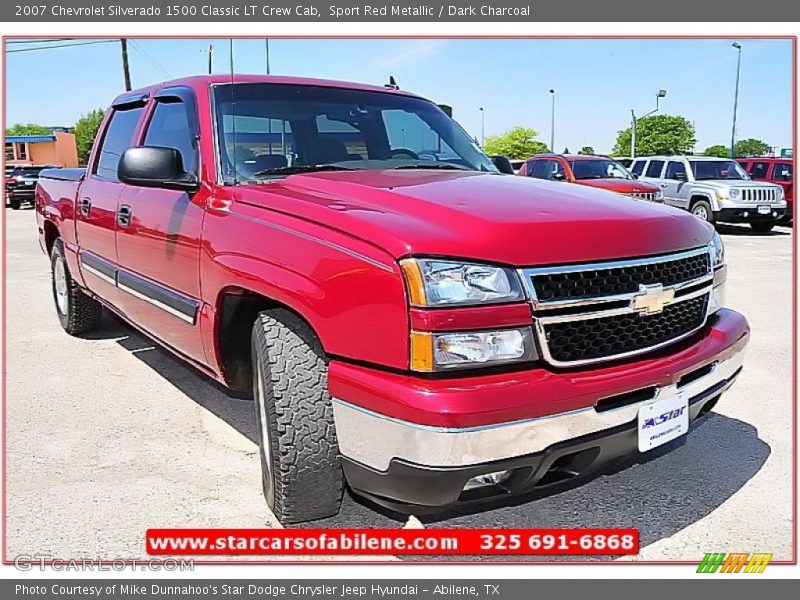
409 321
593 171
714 189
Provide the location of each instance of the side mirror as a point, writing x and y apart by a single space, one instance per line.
680 176
153 166
503 165
635 175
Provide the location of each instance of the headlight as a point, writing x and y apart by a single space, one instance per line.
779 193
446 283
441 351
734 193
717 251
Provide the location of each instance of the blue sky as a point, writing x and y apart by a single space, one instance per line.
597 82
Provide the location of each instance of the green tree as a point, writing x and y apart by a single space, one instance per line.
85 131
516 143
586 150
27 129
718 150
658 134
750 147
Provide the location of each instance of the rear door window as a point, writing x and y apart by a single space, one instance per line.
117 139
654 168
637 168
758 170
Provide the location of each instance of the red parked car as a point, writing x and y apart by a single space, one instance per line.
594 171
773 170
409 321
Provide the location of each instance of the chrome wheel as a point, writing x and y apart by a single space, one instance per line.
61 286
700 212
266 443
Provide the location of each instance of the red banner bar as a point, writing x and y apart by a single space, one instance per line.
233 542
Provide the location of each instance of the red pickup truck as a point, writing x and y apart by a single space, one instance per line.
409 321
594 171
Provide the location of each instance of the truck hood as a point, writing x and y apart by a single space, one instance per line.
482 216
622 186
727 184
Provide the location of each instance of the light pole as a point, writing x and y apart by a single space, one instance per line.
552 120
483 127
266 49
738 47
634 119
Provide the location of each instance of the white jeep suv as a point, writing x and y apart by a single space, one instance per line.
713 189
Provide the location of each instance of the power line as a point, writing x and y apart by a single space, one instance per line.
39 41
147 55
62 46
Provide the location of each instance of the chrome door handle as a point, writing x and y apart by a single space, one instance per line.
124 215
85 206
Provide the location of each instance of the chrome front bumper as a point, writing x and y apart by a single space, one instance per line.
373 440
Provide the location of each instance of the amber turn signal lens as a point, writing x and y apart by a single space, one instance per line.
421 351
416 287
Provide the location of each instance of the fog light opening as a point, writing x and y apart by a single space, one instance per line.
498 478
745 214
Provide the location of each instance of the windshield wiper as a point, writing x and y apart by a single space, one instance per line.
295 169
448 167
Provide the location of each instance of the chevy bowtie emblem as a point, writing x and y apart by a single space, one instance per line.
652 299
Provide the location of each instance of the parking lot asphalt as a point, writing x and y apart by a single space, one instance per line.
110 435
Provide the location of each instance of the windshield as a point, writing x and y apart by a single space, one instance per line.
267 130
717 169
598 169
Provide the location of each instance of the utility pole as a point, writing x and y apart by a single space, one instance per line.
210 53
738 47
125 67
266 47
483 127
553 121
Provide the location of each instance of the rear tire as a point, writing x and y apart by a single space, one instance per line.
300 467
702 210
763 226
77 312
15 204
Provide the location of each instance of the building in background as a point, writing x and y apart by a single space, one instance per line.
58 149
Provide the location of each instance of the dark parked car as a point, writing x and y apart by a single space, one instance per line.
21 183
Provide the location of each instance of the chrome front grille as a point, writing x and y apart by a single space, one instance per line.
759 194
605 311
651 196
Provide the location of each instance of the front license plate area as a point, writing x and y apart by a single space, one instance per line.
764 210
663 421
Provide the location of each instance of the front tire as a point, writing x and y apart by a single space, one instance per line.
15 203
77 312
702 210
763 226
300 467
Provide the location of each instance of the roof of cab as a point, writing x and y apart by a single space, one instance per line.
200 81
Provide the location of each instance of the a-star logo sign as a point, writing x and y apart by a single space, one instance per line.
663 417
